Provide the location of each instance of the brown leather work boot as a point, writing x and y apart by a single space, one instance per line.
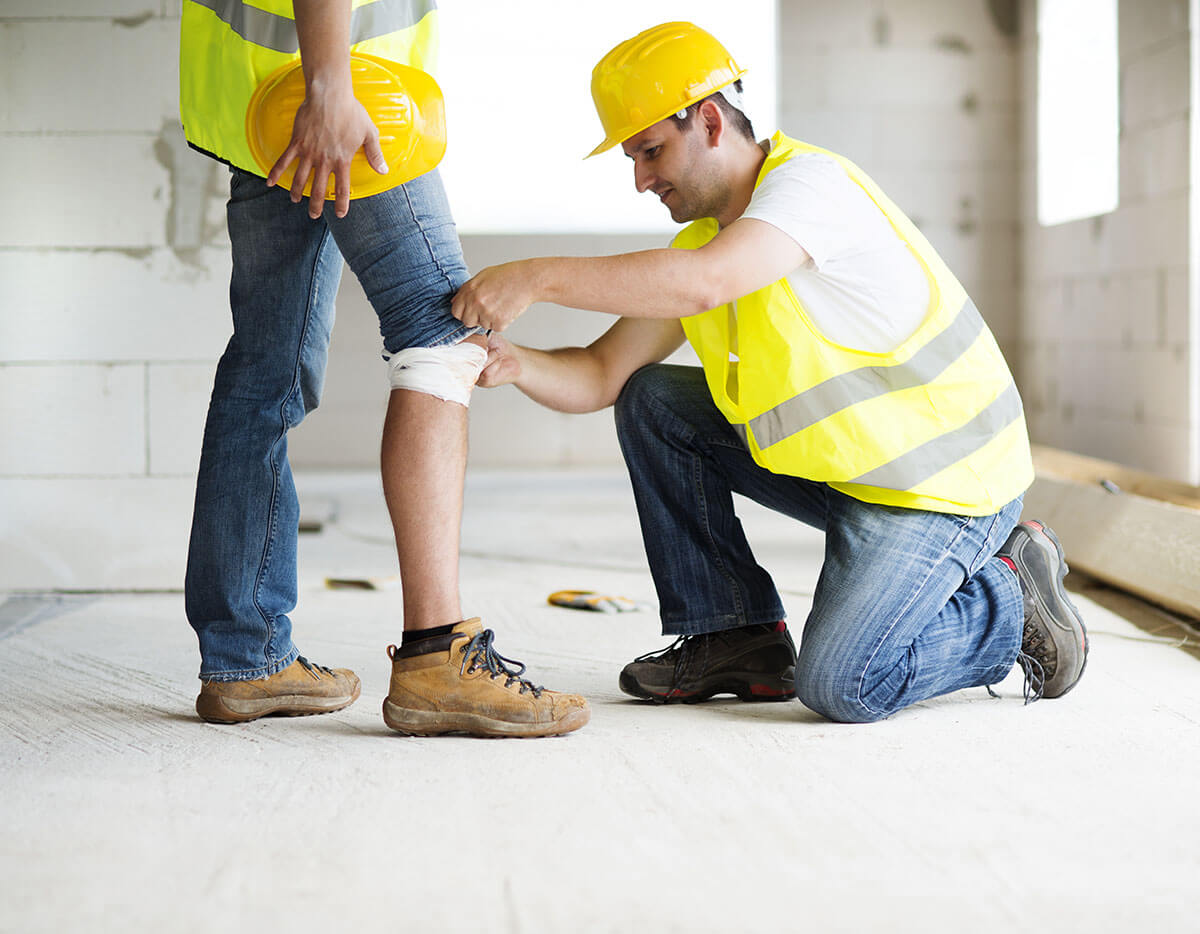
460 684
297 691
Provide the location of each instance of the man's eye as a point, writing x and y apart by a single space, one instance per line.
652 152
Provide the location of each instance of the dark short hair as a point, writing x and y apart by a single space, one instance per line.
737 120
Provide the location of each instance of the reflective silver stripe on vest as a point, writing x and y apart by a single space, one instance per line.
918 465
272 31
840 392
385 16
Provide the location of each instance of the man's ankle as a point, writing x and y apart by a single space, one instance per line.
420 635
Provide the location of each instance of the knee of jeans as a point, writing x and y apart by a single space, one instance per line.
834 696
631 408
265 384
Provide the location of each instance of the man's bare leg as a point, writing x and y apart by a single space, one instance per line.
424 459
424 464
446 676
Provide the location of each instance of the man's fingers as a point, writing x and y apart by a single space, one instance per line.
461 307
281 165
341 204
316 197
300 179
320 187
498 371
374 154
316 203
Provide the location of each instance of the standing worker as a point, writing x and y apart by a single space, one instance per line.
287 262
847 381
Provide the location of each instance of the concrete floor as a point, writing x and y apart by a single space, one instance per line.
122 812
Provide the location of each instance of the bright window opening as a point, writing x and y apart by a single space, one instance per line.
517 79
1077 109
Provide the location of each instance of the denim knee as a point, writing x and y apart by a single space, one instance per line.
833 697
631 409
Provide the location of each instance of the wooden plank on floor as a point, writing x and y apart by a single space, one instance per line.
1111 528
1091 471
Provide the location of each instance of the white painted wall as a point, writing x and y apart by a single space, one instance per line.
1105 364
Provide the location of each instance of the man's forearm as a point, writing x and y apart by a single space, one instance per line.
569 379
323 28
660 283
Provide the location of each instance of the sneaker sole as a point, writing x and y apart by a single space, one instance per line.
213 708
744 688
1065 604
434 723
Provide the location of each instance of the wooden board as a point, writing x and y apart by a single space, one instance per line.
1146 544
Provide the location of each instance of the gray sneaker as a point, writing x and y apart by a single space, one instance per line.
1054 644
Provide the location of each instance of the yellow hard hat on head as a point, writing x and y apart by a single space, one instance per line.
405 104
655 74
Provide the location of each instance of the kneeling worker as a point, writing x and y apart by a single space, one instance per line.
848 382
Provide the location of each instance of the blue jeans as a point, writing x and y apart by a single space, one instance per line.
403 247
909 604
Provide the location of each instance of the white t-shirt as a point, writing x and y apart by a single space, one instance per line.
862 286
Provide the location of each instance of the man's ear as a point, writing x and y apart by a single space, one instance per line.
712 121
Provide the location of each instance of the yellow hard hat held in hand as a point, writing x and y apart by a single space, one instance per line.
657 73
405 104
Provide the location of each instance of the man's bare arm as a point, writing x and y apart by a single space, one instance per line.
331 125
582 379
744 257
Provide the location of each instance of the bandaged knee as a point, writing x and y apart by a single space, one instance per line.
448 372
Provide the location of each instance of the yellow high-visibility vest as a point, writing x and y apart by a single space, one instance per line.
227 47
935 424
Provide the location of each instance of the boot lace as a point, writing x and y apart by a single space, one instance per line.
314 669
1034 662
479 654
688 655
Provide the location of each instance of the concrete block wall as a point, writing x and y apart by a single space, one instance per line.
1105 365
923 95
113 280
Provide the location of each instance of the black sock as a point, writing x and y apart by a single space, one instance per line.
420 635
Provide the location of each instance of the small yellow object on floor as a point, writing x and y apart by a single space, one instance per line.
590 600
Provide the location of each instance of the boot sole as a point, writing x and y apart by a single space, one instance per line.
213 708
1063 601
744 688
433 723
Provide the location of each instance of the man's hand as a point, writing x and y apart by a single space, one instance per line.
502 366
494 297
330 127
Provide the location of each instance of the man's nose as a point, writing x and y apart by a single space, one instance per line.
642 177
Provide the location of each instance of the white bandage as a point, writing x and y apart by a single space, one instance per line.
448 372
